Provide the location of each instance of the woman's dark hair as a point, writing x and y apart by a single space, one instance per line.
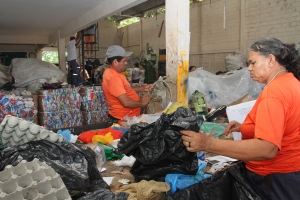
285 54
110 60
72 38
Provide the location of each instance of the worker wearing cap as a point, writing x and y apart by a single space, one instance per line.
121 97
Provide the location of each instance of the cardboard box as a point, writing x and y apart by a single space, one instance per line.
162 57
243 99
238 112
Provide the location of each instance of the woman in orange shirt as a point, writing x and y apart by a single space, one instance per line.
270 144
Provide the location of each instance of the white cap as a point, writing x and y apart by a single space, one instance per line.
116 50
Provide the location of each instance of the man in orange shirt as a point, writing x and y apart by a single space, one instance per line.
121 97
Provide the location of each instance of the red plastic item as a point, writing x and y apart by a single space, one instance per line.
87 136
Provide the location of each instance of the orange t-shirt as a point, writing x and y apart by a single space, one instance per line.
115 84
275 117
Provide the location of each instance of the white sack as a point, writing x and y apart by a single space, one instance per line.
235 61
28 71
223 89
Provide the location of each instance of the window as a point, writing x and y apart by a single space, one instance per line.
50 56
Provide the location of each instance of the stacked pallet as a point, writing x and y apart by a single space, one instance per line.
19 106
94 106
60 108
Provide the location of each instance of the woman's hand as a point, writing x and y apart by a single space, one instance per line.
195 142
233 126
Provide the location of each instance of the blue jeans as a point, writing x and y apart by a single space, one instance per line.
75 72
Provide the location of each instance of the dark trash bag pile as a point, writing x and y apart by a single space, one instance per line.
223 185
158 147
75 163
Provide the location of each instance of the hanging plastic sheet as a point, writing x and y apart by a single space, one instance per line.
158 147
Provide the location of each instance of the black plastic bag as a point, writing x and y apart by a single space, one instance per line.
158 147
227 184
9 156
105 194
8 86
75 163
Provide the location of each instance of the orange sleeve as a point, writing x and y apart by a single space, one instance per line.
116 87
270 121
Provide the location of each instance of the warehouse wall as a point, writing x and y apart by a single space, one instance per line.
134 41
212 39
210 42
108 34
279 19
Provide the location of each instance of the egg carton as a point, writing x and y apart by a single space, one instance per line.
16 131
32 181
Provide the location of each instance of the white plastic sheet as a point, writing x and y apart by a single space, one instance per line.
149 118
28 71
223 89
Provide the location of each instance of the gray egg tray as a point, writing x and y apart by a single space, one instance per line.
16 131
32 181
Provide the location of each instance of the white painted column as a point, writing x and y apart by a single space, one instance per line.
61 53
178 45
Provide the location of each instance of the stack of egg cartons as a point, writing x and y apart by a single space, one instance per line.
16 131
31 180
94 106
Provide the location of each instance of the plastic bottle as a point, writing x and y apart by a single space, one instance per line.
199 103
201 155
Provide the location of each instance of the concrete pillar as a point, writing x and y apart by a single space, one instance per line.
178 46
39 54
141 34
61 52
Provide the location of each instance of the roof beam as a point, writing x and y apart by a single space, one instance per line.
150 9
18 39
105 9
